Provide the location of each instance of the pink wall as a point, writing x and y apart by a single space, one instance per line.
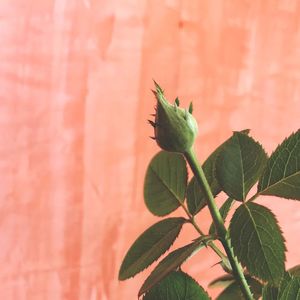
75 77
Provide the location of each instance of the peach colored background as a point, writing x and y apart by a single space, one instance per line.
75 77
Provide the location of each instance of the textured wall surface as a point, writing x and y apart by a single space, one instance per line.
75 81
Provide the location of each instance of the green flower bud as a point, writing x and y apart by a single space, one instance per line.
175 128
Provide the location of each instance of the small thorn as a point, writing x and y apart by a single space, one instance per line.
177 102
152 137
154 92
175 106
158 88
191 108
153 115
218 263
152 123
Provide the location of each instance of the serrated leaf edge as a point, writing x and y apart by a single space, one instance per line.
197 245
122 278
264 192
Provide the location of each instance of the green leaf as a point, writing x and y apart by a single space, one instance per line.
239 165
282 174
222 281
170 263
177 286
165 183
224 210
149 246
257 241
288 289
196 198
291 291
286 279
295 271
233 291
271 292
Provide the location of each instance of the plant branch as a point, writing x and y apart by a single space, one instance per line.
211 244
219 223
192 220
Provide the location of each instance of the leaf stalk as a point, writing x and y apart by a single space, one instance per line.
211 244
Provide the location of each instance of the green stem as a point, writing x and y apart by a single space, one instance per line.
219 223
192 220
211 244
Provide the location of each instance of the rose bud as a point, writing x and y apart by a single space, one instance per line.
175 128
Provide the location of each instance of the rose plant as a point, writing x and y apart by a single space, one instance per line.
253 251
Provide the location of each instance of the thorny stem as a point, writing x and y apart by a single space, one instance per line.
219 223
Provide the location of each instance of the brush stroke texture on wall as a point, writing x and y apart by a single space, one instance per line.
75 80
